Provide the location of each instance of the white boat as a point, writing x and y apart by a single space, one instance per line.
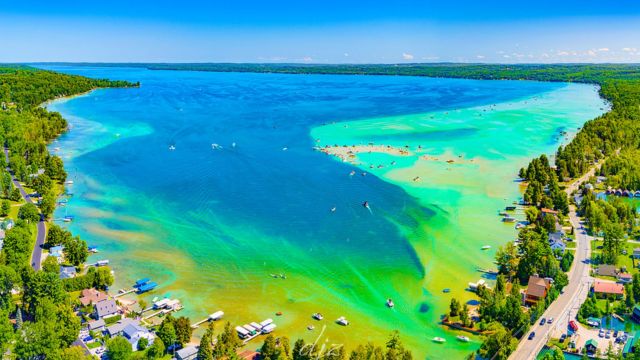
342 321
390 303
172 147
462 338
310 327
317 316
438 339
69 182
486 247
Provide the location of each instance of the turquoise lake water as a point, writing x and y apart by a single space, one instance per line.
211 223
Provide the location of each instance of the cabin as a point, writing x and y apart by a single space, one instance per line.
91 296
605 289
105 309
591 346
67 272
187 353
624 277
536 290
607 270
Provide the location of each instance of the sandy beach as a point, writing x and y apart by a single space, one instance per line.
348 153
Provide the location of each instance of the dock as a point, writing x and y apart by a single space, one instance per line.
122 292
212 317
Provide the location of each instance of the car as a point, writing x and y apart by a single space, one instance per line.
607 335
601 333
573 326
615 334
550 320
543 321
532 335
563 337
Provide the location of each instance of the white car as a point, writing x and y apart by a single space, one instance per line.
550 320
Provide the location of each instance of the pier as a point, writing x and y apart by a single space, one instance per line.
212 317
122 292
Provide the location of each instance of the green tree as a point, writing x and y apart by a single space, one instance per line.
142 344
29 213
498 345
8 279
167 332
15 195
118 348
48 205
76 251
5 208
6 331
454 307
50 264
464 316
205 352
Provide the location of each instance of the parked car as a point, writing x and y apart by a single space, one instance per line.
573 326
608 335
601 333
543 321
563 337
615 333
550 320
532 335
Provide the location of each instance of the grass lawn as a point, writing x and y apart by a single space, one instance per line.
570 244
556 342
93 345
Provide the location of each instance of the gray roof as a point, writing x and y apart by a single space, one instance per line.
187 352
556 236
106 308
67 272
96 324
606 270
118 327
132 328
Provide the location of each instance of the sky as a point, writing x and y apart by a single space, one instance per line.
327 31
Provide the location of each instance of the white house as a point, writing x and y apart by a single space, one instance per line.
133 332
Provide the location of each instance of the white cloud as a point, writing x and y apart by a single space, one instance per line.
346 54
406 56
544 55
603 49
563 53
307 59
506 56
480 56
591 53
629 49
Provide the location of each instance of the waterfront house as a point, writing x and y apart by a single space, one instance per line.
117 328
91 296
67 272
536 289
624 277
56 252
133 332
607 270
635 314
187 353
591 346
105 308
606 289
97 325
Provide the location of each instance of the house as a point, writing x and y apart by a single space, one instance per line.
605 289
545 212
589 186
624 277
97 325
636 253
248 355
558 245
536 289
635 314
591 346
133 332
556 241
117 328
67 272
91 296
105 308
607 270
187 353
8 224
56 252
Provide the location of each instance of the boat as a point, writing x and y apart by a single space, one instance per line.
310 327
279 313
462 338
366 204
333 209
353 172
438 340
446 290
486 247
342 321
390 303
171 147
68 218
510 208
317 316
92 249
503 213
285 148
509 219
69 182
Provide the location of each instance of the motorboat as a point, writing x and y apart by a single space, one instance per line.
390 303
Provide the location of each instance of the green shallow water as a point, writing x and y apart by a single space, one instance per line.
210 226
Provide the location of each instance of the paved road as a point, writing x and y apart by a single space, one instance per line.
36 255
564 308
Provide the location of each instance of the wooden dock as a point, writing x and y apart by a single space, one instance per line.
129 291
